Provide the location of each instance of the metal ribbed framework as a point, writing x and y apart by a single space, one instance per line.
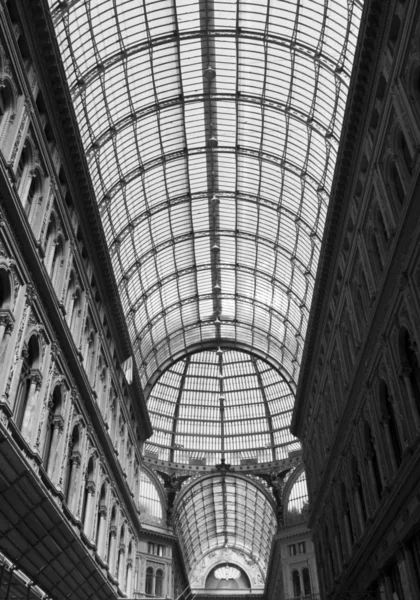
224 511
211 130
221 403
179 101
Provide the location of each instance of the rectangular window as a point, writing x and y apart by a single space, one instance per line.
156 549
302 547
292 550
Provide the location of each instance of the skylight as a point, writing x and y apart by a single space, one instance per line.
213 191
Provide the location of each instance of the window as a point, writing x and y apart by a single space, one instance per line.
159 583
156 549
302 547
292 550
149 581
306 581
296 584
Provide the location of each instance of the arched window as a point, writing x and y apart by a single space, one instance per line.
390 419
6 320
76 314
297 592
72 467
121 553
101 520
29 386
149 581
410 362
57 262
297 501
129 571
23 169
54 426
306 582
6 109
33 191
112 540
149 500
88 494
5 290
159 583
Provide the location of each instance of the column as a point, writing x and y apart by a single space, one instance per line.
90 502
121 561
28 416
57 429
129 582
101 530
111 549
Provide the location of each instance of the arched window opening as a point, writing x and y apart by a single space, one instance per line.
57 261
112 539
6 104
410 363
129 571
307 590
297 592
121 553
159 583
101 521
22 170
149 581
33 192
73 464
390 419
76 313
55 425
372 458
29 386
297 501
150 504
88 494
5 290
50 245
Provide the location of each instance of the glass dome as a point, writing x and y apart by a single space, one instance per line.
215 403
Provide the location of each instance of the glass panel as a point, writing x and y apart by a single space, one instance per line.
170 115
185 410
219 512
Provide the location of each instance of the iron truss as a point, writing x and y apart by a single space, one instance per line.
178 102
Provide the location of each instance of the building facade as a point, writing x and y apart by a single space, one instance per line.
357 409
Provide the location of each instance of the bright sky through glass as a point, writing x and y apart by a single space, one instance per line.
146 113
184 407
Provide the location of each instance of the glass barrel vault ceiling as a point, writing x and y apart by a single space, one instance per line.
228 403
163 137
224 511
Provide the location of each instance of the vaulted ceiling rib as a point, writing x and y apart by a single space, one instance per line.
162 136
